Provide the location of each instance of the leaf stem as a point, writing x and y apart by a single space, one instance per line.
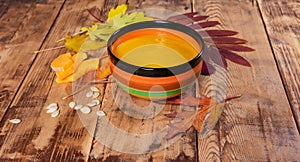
95 17
49 49
102 81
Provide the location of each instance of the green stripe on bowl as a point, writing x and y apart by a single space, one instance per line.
157 94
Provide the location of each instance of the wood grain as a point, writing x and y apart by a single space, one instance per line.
282 20
112 145
39 137
259 126
19 39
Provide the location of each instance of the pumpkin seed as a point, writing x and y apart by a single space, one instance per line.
72 104
85 110
94 89
92 104
95 95
15 121
52 105
51 110
55 114
100 113
77 107
96 101
89 94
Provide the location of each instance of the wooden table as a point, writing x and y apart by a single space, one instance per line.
261 126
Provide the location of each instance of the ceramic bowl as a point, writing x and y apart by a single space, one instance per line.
155 59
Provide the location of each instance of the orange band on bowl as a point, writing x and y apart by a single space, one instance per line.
147 83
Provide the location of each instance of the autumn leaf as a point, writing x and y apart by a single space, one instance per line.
228 40
119 21
220 32
74 43
234 57
119 10
178 127
90 45
238 48
220 39
203 119
207 69
206 24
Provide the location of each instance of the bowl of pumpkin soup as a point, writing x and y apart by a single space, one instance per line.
155 59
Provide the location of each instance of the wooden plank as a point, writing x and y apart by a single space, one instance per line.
282 24
39 137
114 135
18 39
259 126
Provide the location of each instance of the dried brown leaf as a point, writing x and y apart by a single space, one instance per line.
181 126
203 119
189 100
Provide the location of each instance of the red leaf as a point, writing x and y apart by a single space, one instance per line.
182 19
190 14
199 18
207 69
224 62
220 32
238 48
185 21
216 57
233 97
228 40
171 115
204 24
182 16
234 57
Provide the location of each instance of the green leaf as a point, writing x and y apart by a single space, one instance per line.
92 45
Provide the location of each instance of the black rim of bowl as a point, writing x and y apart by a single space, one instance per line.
155 72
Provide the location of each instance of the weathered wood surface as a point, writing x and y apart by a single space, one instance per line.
183 149
282 20
24 26
40 137
258 127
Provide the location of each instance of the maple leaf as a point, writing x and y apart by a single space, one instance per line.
122 20
90 45
99 31
74 43
119 10
203 119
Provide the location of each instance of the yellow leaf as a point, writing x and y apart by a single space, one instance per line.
84 67
121 9
78 58
74 43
